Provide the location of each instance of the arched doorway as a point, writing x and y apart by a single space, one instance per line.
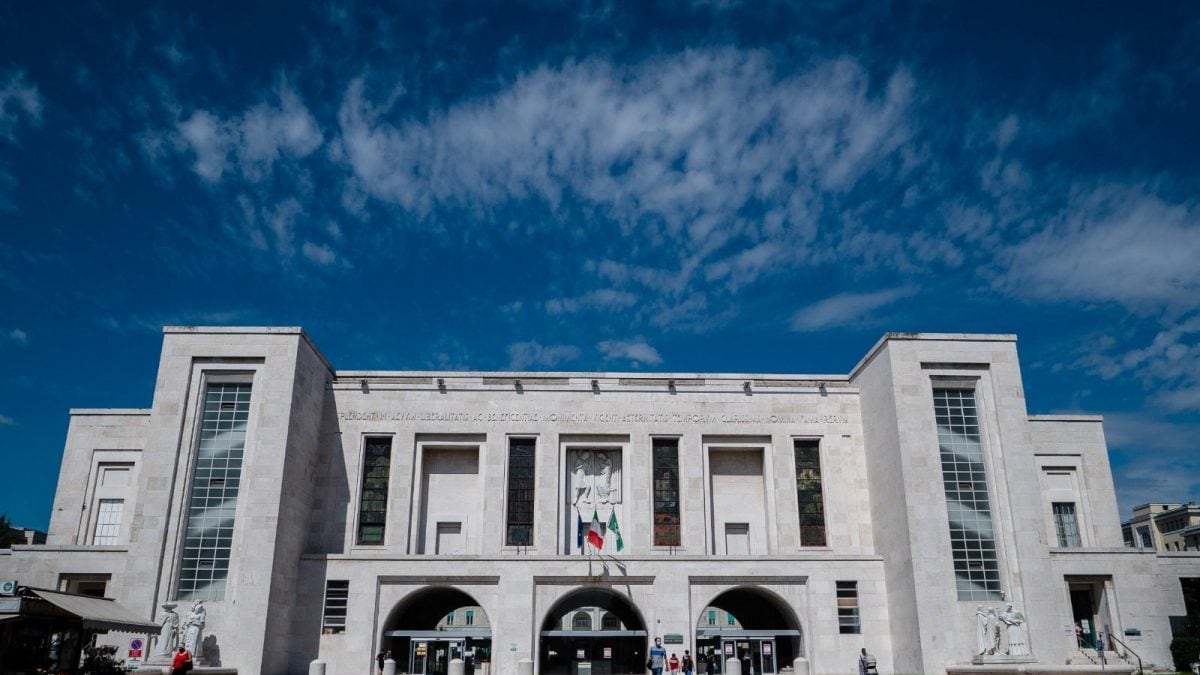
752 625
434 625
593 625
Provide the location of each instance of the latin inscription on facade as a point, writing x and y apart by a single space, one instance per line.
589 418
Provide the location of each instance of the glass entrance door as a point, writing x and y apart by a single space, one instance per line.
757 655
432 657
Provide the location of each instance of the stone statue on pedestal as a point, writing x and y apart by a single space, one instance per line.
1014 623
982 641
168 634
193 627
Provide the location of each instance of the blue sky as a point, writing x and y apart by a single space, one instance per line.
708 186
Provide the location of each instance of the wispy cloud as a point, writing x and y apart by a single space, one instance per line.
637 351
1153 458
1116 243
6 421
16 336
20 102
522 355
846 309
253 141
604 298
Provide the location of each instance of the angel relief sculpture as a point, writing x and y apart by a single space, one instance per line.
595 490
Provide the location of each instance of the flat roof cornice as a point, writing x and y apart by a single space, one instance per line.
928 337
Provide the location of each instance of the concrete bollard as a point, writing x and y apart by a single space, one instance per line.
733 667
389 667
800 666
456 667
525 667
317 667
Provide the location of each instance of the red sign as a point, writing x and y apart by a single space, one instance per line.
135 653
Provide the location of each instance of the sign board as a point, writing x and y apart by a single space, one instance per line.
579 654
135 648
133 664
8 587
512 646
10 605
728 649
608 652
1087 625
672 639
766 648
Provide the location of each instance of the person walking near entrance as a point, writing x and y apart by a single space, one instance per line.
674 663
686 664
658 657
866 664
182 662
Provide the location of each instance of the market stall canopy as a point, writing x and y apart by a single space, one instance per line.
98 613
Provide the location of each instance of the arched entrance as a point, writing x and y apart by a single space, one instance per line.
434 625
752 625
595 626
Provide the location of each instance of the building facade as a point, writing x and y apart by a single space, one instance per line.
1164 527
573 517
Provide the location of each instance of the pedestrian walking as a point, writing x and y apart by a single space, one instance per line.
866 664
182 661
674 663
658 657
687 664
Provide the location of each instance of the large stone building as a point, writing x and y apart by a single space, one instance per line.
572 517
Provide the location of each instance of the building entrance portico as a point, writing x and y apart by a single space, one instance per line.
434 626
748 624
592 626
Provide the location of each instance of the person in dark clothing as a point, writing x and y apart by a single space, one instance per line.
686 663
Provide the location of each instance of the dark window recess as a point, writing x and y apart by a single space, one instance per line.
847 606
808 492
372 512
666 492
518 529
337 596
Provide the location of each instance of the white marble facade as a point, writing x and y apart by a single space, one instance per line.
439 533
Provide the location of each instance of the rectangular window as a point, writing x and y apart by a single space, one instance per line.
847 606
1066 525
470 620
108 522
208 538
372 510
972 541
808 492
337 597
666 492
519 525
712 617
450 619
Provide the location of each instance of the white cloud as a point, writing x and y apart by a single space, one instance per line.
1152 459
1169 365
6 421
522 355
18 337
846 309
19 100
636 350
1112 244
603 298
678 145
321 254
255 139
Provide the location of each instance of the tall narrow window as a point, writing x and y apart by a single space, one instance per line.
972 541
666 492
808 492
519 525
108 522
847 606
208 537
1066 525
337 596
372 510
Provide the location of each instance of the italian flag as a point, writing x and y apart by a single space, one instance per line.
594 536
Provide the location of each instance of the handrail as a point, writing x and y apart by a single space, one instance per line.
1117 640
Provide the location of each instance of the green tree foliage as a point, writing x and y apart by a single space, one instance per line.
9 535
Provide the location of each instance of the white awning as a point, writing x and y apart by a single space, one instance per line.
593 633
98 613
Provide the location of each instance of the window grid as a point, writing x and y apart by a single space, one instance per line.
1066 525
666 492
108 522
519 524
808 492
972 541
208 539
372 509
847 606
337 597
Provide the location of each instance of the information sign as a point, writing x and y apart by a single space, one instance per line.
608 652
133 664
